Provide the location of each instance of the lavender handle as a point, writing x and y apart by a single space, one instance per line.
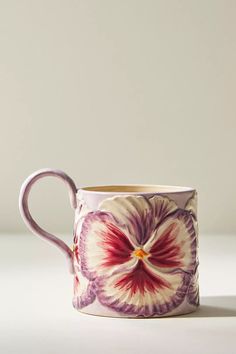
28 219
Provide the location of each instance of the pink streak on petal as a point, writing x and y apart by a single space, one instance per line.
76 284
141 279
165 252
116 245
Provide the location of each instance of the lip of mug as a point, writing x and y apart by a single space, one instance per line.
141 189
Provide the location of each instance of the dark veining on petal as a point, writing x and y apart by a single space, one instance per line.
117 247
141 279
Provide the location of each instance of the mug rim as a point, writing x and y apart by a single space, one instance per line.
136 189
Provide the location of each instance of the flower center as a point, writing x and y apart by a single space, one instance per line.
140 253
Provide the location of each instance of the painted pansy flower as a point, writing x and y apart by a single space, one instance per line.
140 253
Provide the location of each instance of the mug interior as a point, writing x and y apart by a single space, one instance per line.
139 188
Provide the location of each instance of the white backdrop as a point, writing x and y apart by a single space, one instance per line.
118 92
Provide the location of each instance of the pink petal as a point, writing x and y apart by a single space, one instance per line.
103 246
141 279
138 216
173 244
191 205
84 289
193 290
116 245
143 291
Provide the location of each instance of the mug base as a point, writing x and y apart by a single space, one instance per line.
96 309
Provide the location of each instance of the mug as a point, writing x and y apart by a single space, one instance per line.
135 247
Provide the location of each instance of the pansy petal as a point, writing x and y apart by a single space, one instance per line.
191 205
143 291
162 207
103 246
173 244
193 290
137 215
84 291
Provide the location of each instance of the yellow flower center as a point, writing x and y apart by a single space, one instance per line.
140 253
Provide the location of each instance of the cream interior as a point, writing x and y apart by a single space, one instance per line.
137 189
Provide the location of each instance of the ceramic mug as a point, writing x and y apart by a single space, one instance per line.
134 250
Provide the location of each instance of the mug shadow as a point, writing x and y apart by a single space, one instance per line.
215 306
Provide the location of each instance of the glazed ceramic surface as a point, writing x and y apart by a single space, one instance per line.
135 248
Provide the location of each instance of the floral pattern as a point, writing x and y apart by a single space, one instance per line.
137 255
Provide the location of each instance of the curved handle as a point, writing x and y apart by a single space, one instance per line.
28 219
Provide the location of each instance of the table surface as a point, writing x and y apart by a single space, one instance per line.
36 314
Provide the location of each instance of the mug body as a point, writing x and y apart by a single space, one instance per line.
135 251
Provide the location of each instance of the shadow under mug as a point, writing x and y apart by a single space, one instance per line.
135 247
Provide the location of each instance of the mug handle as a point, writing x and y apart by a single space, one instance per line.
28 219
